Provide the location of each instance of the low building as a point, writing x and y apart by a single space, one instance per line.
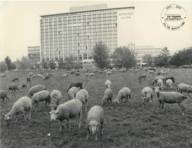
34 54
141 51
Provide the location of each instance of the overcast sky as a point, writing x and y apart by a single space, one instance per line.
20 25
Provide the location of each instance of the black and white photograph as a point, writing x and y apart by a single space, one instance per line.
95 73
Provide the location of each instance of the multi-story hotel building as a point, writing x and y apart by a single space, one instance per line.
34 53
78 31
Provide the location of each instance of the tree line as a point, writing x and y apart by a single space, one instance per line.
121 57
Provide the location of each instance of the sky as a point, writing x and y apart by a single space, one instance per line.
20 23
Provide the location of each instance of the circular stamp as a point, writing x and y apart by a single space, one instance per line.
173 17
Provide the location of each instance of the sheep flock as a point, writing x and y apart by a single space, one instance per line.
137 107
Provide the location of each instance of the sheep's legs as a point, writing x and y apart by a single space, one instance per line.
80 118
182 108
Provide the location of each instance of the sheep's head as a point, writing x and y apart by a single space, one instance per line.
94 127
53 115
156 90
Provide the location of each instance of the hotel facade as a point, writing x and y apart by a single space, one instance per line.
77 32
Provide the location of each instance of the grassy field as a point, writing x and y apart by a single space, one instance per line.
129 125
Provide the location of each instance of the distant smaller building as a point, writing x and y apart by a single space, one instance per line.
34 53
141 51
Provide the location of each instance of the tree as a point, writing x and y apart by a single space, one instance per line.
25 63
101 55
10 64
52 64
183 57
124 57
45 64
3 66
148 59
163 58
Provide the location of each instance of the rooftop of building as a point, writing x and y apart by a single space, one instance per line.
78 10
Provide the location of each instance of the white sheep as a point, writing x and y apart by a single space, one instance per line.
43 95
108 84
95 121
36 88
123 95
170 97
160 83
83 96
22 105
169 83
108 95
4 95
183 87
66 111
56 97
72 92
147 94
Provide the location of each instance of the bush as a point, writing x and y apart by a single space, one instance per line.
3 67
124 57
163 58
183 57
10 64
101 55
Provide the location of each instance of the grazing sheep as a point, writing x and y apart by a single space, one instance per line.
183 87
13 87
64 75
2 75
38 76
108 84
35 89
124 95
72 92
157 78
95 120
109 72
90 74
66 111
170 77
77 84
22 105
47 76
3 95
170 98
15 79
83 96
108 95
169 83
43 95
142 77
56 97
160 83
147 94
22 85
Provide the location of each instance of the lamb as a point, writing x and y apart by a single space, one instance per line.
22 105
108 84
108 95
76 84
43 95
3 95
170 98
72 92
147 94
66 111
124 95
183 87
56 97
169 83
95 121
36 88
83 96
